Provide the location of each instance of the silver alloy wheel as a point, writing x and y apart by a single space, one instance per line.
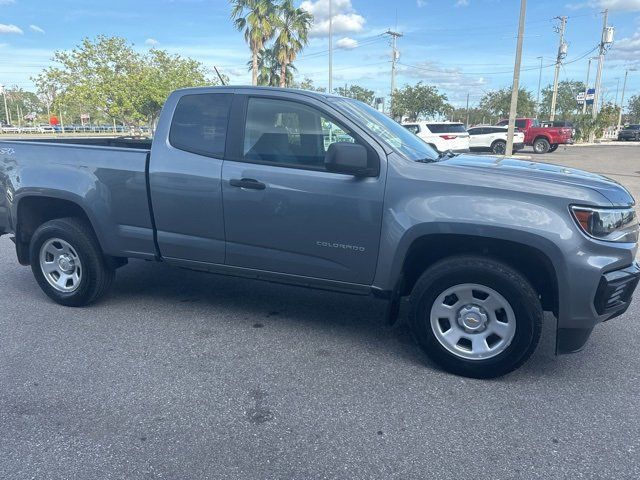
60 265
473 321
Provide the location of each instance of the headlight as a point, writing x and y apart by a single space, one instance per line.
608 224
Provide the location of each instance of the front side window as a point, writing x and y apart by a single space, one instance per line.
413 128
199 123
289 134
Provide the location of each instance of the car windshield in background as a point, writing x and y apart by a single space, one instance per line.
446 127
390 131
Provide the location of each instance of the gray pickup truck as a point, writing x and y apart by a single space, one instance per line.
321 191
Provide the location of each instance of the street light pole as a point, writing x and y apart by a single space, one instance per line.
539 84
586 88
516 79
330 46
624 86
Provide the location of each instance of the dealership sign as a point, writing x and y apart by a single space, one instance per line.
591 93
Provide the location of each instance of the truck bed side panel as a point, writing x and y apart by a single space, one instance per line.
109 184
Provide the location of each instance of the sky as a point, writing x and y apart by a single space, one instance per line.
461 46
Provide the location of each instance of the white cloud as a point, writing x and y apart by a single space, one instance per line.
151 42
347 43
462 3
345 18
627 49
627 5
4 28
7 2
36 28
446 79
421 3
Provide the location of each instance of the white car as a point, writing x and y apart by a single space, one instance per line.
493 139
442 136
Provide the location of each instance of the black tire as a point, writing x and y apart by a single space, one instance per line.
553 147
96 276
499 147
541 145
496 275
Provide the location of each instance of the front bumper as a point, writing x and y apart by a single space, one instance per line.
612 299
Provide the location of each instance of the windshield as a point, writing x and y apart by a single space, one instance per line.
391 132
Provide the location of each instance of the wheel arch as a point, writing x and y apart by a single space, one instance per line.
34 210
531 261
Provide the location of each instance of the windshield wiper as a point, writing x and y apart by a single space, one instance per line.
447 154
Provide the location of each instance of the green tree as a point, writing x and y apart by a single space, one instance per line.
22 104
258 20
100 73
109 80
566 104
586 125
293 34
307 84
498 103
159 75
634 108
356 91
418 100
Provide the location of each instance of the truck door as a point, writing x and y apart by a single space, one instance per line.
184 177
283 211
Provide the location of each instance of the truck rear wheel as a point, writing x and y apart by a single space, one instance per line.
541 145
68 263
475 317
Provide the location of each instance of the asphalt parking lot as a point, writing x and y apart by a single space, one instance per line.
184 375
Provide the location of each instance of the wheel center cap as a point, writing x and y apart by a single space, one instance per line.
66 264
472 318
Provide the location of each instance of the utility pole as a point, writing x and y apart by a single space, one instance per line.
6 109
562 52
607 39
539 84
330 46
467 122
586 87
515 89
394 59
617 91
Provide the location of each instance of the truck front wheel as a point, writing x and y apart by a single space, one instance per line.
475 317
68 263
541 145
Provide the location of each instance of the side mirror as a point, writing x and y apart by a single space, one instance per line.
348 158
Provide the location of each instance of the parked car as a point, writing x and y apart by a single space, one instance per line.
630 132
485 138
442 136
542 139
11 129
237 181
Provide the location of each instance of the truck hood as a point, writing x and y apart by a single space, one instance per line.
546 172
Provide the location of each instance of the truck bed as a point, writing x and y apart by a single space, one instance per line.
108 176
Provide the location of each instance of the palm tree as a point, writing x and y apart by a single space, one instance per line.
293 30
258 19
269 69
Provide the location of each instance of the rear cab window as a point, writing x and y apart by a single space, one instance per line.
199 124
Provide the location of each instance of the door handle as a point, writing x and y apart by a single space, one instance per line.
247 183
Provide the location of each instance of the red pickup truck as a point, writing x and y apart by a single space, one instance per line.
543 139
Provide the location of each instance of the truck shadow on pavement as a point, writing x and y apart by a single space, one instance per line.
293 310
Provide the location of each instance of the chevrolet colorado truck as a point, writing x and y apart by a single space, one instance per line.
321 191
542 139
